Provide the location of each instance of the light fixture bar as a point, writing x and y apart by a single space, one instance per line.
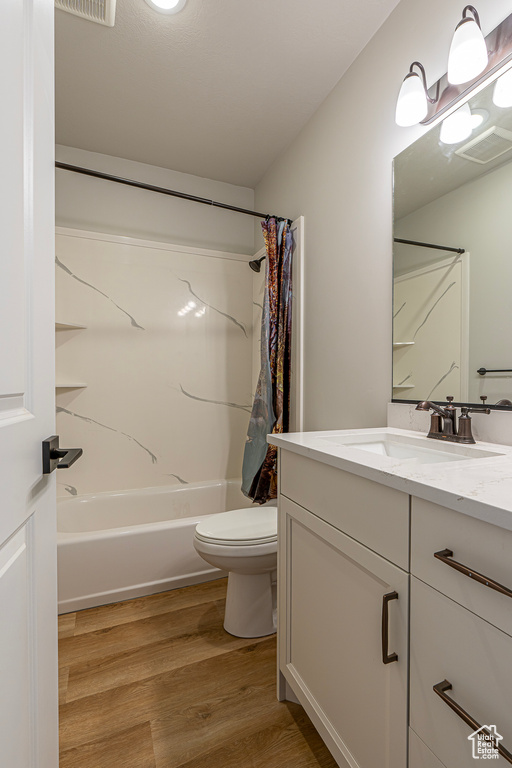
451 97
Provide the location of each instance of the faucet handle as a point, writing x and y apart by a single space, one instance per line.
483 398
450 407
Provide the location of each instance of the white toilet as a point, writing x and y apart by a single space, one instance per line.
243 542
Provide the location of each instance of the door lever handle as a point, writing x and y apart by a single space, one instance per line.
55 457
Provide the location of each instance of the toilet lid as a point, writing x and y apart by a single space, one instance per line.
240 526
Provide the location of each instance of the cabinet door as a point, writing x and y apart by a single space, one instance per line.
331 639
449 643
420 756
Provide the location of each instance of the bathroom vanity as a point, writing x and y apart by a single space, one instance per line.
388 636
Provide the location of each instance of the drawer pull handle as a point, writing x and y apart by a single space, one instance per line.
387 657
440 689
445 556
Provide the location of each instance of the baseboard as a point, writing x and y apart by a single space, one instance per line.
138 590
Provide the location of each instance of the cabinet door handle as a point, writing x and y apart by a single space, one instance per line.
387 657
440 689
445 556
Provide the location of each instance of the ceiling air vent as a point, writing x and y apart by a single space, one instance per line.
488 146
100 11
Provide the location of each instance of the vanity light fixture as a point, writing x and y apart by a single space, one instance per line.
412 104
166 6
502 94
457 126
473 63
468 52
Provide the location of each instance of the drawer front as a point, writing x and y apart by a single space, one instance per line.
450 643
371 513
481 547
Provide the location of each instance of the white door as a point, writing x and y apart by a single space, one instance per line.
28 648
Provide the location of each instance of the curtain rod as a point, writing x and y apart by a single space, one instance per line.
161 190
430 245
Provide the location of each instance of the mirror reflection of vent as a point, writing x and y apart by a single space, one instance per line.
488 146
100 11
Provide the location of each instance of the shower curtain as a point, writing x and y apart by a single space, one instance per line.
271 408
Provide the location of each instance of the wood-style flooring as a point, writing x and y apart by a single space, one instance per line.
156 682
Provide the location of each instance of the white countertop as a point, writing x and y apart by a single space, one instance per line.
481 487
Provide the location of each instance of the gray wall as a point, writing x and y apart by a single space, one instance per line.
337 173
102 206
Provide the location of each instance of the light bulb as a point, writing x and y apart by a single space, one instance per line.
166 6
478 116
502 94
468 52
411 106
457 126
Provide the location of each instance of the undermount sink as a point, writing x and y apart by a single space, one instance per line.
420 449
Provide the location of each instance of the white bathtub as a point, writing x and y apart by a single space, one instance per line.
115 546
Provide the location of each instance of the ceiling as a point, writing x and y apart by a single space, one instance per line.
217 90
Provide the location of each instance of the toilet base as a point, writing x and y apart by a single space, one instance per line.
250 605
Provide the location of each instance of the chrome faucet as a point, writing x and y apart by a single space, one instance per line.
443 421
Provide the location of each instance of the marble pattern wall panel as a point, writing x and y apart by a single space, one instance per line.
167 358
427 302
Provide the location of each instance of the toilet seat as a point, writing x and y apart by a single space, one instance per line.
239 527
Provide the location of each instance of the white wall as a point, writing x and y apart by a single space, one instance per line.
337 173
83 202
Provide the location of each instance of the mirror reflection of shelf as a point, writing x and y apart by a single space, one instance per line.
403 386
69 327
401 344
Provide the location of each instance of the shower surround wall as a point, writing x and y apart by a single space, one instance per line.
138 420
166 356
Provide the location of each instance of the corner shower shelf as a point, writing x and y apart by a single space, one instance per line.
69 327
69 385
400 344
403 386
63 384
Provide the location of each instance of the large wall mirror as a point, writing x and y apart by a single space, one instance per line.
452 311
